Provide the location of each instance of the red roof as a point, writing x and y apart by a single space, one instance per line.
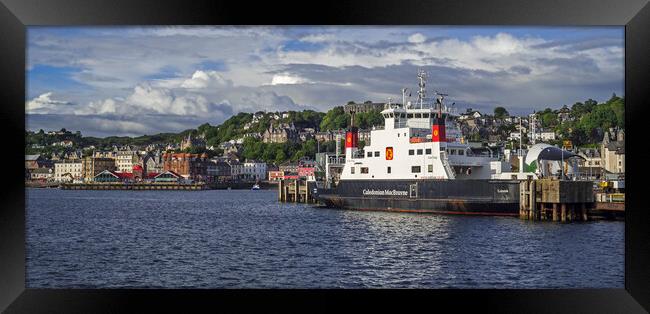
124 175
137 167
151 175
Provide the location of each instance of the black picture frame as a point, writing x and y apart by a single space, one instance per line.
16 15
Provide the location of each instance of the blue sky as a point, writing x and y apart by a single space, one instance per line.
143 80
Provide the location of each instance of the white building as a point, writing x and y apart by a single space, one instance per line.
125 160
253 170
547 136
67 170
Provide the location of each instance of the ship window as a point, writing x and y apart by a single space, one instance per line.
415 169
397 134
442 148
430 168
418 115
425 115
352 170
419 151
409 115
388 170
364 169
369 154
390 115
428 151
411 152
376 154
461 152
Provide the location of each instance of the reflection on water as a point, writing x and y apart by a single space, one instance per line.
245 239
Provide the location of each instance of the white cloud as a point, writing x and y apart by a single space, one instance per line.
417 38
162 71
287 79
318 38
205 79
44 103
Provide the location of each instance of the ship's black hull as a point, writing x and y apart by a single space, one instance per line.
470 197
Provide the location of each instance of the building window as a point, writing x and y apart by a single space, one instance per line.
376 154
411 152
364 169
461 152
428 151
352 170
416 169
430 168
419 151
388 170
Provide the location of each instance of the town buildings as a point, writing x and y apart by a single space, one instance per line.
190 166
281 134
364 107
253 170
126 159
92 166
68 170
612 151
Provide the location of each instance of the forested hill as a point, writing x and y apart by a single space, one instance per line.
588 121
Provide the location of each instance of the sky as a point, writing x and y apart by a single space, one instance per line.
132 81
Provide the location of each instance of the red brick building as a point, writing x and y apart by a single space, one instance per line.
190 166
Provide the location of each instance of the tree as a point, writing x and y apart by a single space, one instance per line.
500 113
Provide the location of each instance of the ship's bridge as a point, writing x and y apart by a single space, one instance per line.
394 117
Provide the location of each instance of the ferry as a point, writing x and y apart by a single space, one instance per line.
420 162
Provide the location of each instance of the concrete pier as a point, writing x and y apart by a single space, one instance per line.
133 186
568 201
296 191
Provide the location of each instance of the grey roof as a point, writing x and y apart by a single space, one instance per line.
618 146
32 157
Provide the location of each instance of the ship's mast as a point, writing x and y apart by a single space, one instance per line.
422 84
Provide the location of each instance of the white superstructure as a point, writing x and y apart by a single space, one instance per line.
420 140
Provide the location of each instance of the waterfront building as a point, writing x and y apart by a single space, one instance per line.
37 161
41 174
590 166
168 176
235 168
189 166
219 170
253 170
612 151
125 160
92 166
113 176
276 175
68 170
306 168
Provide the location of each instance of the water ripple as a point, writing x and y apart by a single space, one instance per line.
245 239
